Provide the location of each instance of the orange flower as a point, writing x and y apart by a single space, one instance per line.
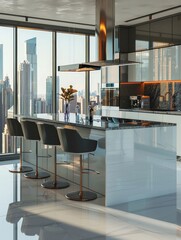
67 93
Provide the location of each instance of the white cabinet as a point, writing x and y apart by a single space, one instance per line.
155 117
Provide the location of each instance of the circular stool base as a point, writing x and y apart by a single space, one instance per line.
22 169
86 196
40 175
55 185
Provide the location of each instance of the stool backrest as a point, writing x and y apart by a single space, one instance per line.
30 130
48 134
14 127
72 142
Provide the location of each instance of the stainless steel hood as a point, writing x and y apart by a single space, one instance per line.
105 23
93 66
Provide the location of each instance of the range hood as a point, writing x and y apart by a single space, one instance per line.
93 66
105 24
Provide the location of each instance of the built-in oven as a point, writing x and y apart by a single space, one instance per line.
110 86
110 94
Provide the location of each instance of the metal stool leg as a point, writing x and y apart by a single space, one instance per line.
81 195
21 168
36 174
55 184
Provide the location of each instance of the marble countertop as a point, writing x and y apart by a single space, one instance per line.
156 111
100 123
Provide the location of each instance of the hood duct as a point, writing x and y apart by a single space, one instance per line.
105 24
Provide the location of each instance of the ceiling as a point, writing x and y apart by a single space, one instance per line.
83 11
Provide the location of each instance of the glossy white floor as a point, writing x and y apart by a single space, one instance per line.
28 211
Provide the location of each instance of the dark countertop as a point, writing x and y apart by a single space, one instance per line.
99 123
156 111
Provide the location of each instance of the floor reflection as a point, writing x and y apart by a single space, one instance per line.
28 211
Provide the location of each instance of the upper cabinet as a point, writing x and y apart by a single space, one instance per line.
157 64
156 44
153 34
177 29
161 31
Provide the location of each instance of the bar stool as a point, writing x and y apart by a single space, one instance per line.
73 143
15 130
49 136
30 131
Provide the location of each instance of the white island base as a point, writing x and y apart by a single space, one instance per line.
140 163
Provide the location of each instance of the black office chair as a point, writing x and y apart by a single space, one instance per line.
72 142
31 132
49 136
15 130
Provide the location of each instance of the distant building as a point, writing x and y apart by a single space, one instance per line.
31 57
49 91
25 89
73 104
40 105
6 102
7 141
1 62
49 94
83 109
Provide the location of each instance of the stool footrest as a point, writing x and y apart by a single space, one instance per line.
43 156
63 163
87 170
29 151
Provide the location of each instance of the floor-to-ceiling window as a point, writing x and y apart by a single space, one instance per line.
34 71
26 68
6 86
70 50
95 78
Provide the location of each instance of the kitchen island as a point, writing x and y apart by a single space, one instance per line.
136 159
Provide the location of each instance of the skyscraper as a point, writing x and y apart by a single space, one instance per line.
25 89
31 57
49 91
1 62
49 94
6 102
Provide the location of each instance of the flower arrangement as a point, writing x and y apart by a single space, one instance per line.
67 93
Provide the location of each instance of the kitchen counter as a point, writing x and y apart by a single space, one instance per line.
136 159
148 115
156 111
100 123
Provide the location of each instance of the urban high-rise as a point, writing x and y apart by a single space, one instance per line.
31 56
25 89
1 62
6 102
49 91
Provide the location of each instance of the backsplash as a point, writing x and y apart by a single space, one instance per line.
164 95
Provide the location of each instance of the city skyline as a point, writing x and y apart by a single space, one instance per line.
34 75
66 54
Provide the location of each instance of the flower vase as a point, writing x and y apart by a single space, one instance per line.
66 110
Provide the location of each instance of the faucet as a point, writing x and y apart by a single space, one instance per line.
174 99
161 100
170 100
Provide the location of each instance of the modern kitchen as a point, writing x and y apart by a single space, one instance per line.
140 110
130 177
